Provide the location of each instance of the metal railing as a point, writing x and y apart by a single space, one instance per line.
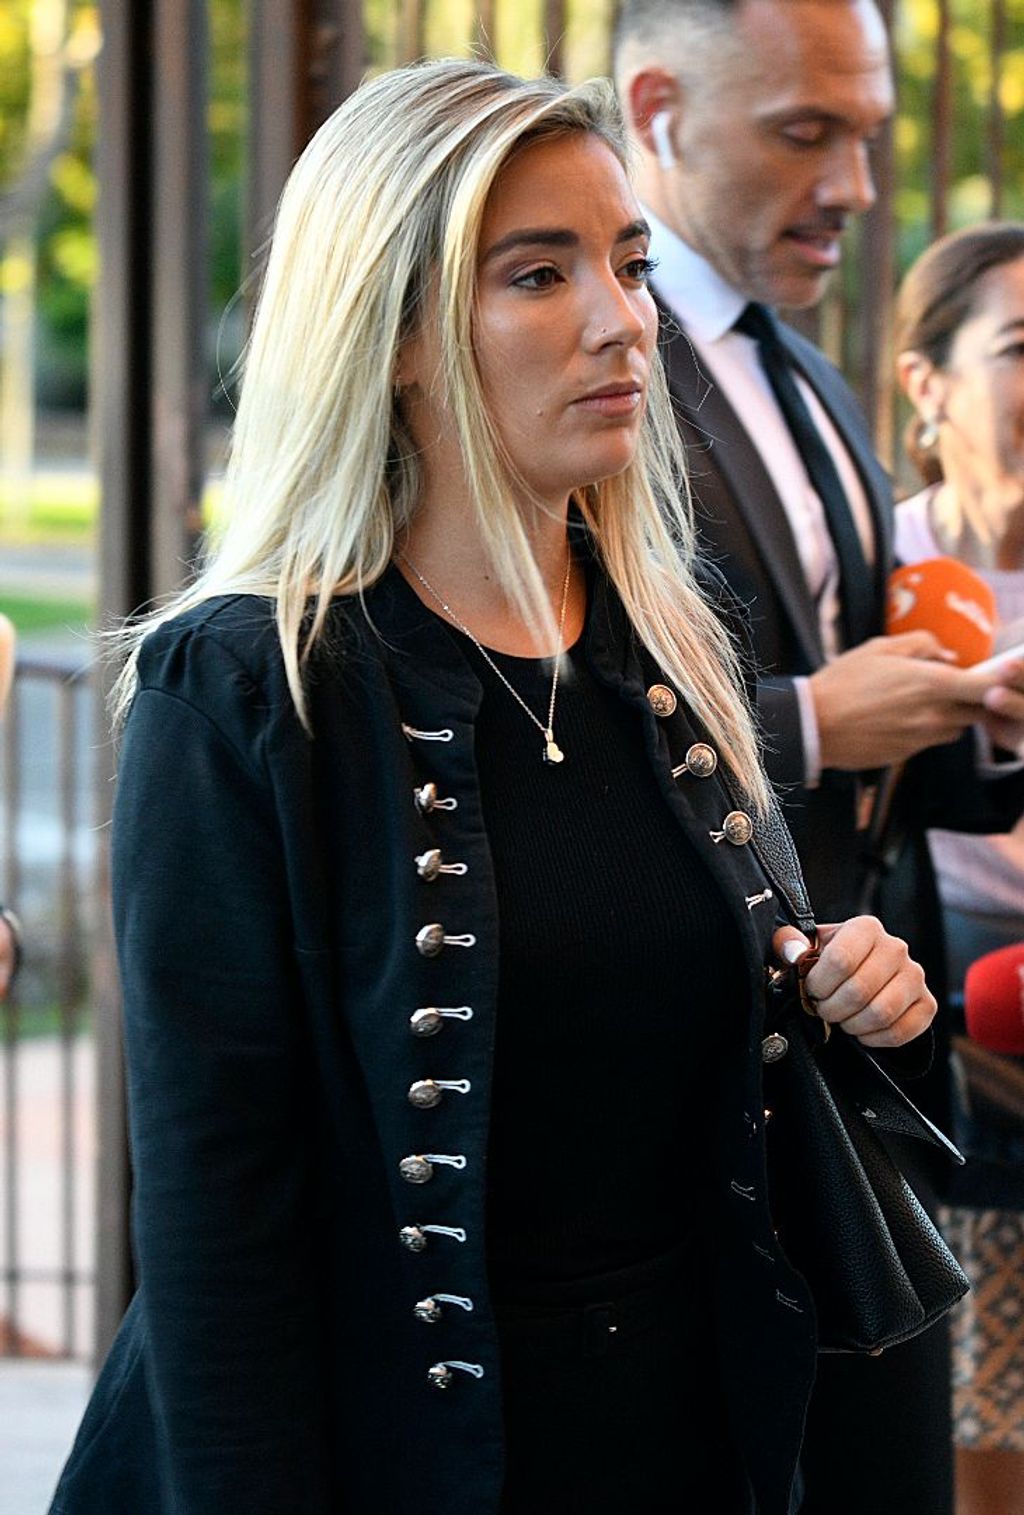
47 1084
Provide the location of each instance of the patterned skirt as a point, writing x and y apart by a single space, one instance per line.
988 1328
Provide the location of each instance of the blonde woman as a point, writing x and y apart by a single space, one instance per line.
439 897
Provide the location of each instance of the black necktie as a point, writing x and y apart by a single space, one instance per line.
856 593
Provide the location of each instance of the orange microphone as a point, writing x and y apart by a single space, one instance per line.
949 600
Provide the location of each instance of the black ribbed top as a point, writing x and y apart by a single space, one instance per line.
621 978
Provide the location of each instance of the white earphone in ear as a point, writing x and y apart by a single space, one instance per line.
663 149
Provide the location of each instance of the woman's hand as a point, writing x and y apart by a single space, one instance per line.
865 981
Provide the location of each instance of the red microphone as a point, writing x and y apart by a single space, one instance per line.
948 599
994 1000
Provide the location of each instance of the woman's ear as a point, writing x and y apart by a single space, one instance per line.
924 384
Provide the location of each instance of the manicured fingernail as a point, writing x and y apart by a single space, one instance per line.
793 949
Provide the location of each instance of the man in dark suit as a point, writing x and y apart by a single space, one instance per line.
753 122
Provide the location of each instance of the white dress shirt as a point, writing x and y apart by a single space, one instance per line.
707 308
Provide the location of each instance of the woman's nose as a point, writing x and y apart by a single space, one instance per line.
613 318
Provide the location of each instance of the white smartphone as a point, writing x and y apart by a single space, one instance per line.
989 665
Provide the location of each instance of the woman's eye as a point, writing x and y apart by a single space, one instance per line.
537 278
640 269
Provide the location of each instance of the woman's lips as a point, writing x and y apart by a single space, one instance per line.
616 400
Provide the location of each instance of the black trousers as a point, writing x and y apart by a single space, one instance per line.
612 1405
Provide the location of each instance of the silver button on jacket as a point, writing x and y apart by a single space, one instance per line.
416 1170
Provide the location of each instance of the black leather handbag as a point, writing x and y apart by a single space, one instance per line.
847 1219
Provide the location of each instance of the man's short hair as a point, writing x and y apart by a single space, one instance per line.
646 20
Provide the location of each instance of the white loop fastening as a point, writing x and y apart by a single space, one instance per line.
428 1019
745 1191
457 1085
414 734
791 1304
457 1233
426 799
759 899
447 1159
431 940
463 1302
430 865
440 1375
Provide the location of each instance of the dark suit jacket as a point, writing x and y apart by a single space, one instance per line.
745 531
267 907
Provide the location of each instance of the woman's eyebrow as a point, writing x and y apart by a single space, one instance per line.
553 236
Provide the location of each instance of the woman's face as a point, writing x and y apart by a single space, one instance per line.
564 326
983 399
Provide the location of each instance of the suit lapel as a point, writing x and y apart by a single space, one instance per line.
713 428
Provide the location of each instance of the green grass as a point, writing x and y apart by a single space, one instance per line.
64 507
59 507
33 1021
29 614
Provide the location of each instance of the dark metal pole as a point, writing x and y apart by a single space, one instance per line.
179 288
996 114
302 63
877 282
121 390
942 135
554 36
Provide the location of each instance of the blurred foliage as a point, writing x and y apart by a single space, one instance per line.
971 66
65 231
67 262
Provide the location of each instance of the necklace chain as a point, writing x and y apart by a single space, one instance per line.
552 752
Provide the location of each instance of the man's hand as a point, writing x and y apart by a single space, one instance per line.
1002 717
892 697
865 981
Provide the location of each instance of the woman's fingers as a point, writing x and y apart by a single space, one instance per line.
866 982
789 945
915 1019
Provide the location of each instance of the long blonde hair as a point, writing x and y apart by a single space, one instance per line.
384 205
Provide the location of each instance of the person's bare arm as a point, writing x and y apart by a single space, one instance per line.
10 950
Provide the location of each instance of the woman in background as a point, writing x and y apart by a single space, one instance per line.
961 363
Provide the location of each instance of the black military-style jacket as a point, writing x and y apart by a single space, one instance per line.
301 978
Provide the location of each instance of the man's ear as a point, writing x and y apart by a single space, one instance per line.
653 100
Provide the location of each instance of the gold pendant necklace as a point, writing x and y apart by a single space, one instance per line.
552 753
